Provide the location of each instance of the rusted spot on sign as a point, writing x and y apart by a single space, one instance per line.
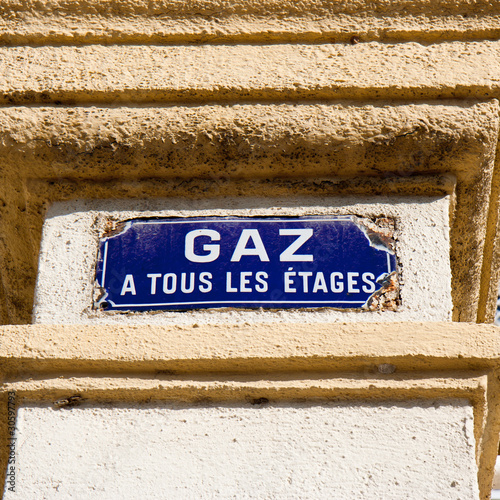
380 232
387 298
112 228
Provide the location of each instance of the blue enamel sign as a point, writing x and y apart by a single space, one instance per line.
243 262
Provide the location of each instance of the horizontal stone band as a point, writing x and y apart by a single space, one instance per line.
113 74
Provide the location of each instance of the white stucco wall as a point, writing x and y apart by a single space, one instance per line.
70 242
413 450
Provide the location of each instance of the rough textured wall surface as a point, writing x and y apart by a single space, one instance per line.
221 21
97 74
317 450
216 21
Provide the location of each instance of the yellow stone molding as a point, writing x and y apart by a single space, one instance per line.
98 74
221 21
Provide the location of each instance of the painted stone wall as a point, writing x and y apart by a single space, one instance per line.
248 450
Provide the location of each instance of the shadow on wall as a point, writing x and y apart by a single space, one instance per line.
497 314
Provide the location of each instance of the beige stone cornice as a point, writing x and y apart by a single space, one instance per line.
107 75
256 348
216 21
52 153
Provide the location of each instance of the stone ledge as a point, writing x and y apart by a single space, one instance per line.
168 21
253 348
212 8
283 387
110 74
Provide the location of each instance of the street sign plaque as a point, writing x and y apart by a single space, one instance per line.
246 262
